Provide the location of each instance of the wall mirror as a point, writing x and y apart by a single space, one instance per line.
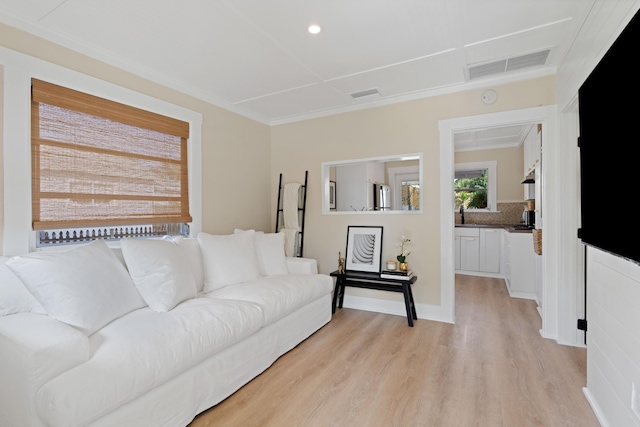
389 184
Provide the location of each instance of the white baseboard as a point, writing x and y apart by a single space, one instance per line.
523 295
480 274
596 409
424 311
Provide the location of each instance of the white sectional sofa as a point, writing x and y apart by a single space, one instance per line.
151 333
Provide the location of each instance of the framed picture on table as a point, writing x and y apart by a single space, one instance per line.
364 248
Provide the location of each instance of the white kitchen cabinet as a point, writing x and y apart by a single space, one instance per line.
490 242
506 257
468 247
520 274
469 253
532 145
477 250
538 280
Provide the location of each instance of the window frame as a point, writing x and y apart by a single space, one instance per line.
491 167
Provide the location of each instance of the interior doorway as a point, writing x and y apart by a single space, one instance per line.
488 195
405 184
448 129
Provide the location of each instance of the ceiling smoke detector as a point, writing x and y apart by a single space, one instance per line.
489 97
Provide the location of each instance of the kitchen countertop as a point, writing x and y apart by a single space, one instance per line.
509 227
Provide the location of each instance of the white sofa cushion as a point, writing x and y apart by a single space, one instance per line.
270 252
278 295
160 271
270 247
85 287
298 265
141 351
34 348
228 259
191 250
14 297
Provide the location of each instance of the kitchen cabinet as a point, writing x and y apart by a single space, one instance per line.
469 253
520 262
467 246
477 250
490 242
456 250
538 281
532 146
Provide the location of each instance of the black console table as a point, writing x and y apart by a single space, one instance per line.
358 279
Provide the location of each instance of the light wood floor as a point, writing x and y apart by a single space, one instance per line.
491 368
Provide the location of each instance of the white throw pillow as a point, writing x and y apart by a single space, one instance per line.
270 252
228 259
86 286
191 250
160 271
14 297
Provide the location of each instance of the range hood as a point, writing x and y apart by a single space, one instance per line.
529 179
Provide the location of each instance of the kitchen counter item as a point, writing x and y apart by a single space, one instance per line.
480 225
511 228
537 241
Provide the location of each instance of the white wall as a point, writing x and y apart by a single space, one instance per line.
613 362
613 283
393 130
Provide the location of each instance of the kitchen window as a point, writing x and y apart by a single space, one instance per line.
475 186
101 169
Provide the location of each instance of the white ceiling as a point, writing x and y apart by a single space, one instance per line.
497 137
256 58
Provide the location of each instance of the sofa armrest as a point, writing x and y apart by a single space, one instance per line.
35 349
297 265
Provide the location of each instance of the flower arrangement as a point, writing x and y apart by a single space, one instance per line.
403 256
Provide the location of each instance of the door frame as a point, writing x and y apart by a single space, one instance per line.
395 176
547 115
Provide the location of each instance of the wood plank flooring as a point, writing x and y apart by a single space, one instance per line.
492 368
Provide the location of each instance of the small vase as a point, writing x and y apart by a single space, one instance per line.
404 266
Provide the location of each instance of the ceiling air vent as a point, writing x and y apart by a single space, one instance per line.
362 94
508 64
488 69
526 61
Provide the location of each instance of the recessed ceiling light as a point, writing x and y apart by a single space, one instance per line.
314 29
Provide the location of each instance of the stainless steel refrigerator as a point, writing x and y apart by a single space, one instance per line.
381 197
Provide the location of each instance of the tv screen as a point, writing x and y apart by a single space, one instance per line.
609 163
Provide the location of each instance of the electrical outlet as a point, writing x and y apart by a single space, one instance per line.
635 400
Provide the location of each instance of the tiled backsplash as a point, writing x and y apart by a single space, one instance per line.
508 213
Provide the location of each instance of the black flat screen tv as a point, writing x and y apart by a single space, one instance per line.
609 138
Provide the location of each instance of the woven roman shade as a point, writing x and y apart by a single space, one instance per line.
99 163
